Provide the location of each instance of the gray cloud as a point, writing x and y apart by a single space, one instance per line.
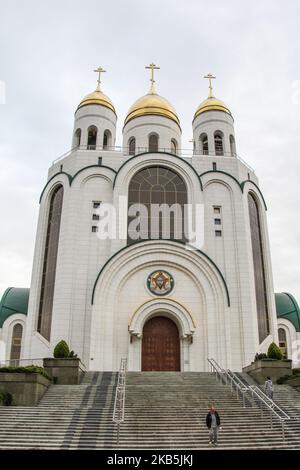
49 49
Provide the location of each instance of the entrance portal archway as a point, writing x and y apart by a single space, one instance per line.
160 345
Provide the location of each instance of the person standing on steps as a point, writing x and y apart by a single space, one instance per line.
213 423
269 389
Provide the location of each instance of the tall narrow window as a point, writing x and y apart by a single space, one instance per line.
282 342
203 144
174 146
49 263
153 143
131 146
77 138
232 146
106 140
16 343
92 138
259 269
219 143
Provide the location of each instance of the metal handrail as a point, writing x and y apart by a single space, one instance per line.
263 400
281 414
119 405
224 375
126 151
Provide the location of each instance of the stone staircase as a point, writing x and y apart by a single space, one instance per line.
164 410
67 417
285 396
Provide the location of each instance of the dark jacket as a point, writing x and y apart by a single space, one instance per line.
208 419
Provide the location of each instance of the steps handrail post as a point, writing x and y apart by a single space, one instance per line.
283 433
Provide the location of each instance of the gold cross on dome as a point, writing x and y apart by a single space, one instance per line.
99 70
210 77
152 67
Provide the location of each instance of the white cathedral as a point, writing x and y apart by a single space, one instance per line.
160 302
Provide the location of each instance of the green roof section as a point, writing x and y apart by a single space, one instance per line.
287 307
14 300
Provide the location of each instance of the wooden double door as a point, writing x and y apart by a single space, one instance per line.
160 345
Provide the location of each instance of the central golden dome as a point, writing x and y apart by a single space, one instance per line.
97 97
152 104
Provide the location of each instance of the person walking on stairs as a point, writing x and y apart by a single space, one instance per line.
213 423
269 389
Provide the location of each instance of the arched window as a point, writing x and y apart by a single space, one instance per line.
92 138
203 144
232 146
77 138
219 143
259 268
131 146
106 140
283 342
153 143
49 263
147 218
174 146
16 343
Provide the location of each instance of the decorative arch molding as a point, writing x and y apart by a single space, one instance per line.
241 185
72 178
165 307
58 181
7 331
99 167
291 335
257 188
222 173
156 159
135 250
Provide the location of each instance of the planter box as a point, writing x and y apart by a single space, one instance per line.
68 371
26 388
260 370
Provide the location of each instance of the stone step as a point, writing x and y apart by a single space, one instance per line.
163 411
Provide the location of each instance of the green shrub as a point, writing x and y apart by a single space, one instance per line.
274 352
30 369
294 376
260 356
282 380
5 399
288 378
61 350
72 354
296 371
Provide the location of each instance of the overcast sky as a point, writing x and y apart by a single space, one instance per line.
48 50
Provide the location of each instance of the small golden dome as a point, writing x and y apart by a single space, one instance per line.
152 104
212 104
97 97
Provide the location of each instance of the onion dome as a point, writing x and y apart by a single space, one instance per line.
97 97
152 104
211 103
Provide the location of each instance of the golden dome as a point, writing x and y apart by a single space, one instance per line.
97 97
212 104
152 104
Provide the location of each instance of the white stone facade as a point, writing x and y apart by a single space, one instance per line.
101 300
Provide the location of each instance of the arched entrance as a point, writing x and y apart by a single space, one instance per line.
160 345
